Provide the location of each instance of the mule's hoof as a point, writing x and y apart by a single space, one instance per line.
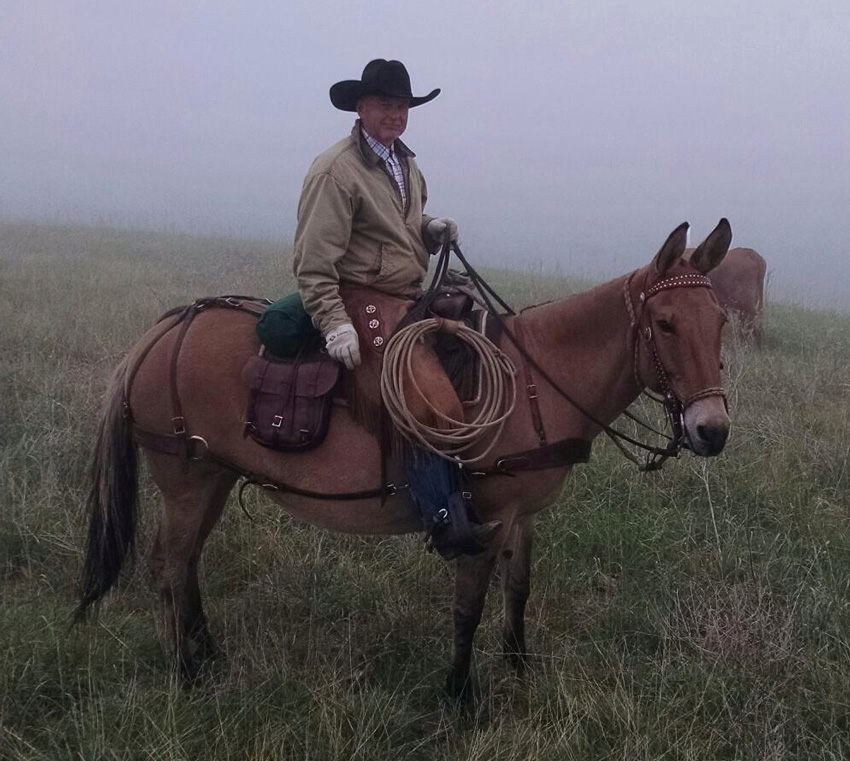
197 670
459 690
519 661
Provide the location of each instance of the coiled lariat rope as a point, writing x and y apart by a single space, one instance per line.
453 437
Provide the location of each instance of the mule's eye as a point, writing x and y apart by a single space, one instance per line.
665 327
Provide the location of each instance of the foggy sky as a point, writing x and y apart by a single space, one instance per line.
570 133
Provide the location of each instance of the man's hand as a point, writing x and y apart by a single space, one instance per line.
442 229
343 345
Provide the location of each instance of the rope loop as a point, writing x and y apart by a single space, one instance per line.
453 437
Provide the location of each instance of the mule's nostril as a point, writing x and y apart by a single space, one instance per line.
713 435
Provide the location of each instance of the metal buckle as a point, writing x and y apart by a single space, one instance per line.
178 425
676 416
196 456
278 421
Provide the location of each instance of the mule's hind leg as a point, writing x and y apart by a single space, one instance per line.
194 495
516 585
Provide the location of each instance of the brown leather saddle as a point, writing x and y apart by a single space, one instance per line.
290 400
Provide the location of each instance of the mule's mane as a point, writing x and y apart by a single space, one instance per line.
577 300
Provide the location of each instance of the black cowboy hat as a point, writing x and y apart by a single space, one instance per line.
380 77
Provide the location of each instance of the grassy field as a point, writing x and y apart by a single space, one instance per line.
698 613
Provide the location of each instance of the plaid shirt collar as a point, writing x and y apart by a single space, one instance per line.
368 155
379 148
390 158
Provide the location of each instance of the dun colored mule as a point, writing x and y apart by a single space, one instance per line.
657 328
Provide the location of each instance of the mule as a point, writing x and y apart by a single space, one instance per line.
657 328
739 282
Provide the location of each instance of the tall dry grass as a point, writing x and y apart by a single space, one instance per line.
698 613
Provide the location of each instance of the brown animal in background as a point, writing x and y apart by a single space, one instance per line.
739 284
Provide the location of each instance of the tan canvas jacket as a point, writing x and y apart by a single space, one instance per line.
352 228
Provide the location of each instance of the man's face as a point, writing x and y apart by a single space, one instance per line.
383 117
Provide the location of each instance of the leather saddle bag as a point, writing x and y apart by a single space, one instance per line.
289 406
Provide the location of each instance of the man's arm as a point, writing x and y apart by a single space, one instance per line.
325 216
435 229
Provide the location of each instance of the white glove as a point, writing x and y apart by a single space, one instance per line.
343 345
439 229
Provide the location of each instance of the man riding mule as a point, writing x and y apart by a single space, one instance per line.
361 254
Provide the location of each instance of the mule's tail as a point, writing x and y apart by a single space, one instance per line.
112 500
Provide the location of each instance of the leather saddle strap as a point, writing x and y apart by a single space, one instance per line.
530 387
178 422
186 315
253 396
169 443
555 455
178 314
286 392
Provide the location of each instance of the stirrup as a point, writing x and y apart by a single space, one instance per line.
456 530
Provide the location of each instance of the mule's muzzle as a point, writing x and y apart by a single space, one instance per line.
707 426
709 439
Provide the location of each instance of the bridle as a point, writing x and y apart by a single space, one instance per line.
641 334
674 407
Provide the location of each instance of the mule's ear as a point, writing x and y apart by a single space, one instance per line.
712 250
672 249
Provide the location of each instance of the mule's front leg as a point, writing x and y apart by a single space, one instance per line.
472 578
516 585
